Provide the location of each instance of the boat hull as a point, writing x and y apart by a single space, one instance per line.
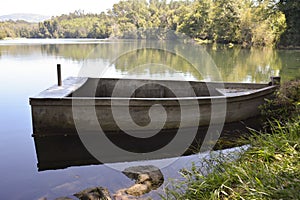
60 113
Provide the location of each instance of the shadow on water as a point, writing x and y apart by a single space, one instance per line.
59 152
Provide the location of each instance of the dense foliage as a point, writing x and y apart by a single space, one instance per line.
246 22
285 106
16 29
291 9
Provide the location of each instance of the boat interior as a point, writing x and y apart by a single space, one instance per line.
141 88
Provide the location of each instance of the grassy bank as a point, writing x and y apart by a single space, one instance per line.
269 169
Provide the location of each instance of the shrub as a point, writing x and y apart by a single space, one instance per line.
285 105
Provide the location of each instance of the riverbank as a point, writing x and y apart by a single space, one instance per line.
269 169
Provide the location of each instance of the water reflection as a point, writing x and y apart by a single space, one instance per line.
155 61
243 65
235 64
59 152
290 64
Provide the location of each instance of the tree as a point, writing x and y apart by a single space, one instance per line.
195 20
43 30
226 21
246 22
268 23
129 16
2 34
291 9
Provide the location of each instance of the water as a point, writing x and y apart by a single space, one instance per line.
29 66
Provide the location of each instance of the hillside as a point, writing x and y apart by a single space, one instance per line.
24 16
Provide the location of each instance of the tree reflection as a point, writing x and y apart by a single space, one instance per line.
155 61
244 65
234 64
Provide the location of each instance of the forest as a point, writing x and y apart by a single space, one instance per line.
245 22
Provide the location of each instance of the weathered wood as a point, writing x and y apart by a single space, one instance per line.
53 113
275 80
59 80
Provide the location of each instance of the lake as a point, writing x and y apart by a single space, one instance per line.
29 66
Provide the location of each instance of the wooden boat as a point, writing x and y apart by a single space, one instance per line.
55 109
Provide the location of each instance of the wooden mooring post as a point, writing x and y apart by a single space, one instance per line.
275 80
59 81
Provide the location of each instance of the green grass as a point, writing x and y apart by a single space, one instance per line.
269 169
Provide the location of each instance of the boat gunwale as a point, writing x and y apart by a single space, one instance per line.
98 101
71 84
80 81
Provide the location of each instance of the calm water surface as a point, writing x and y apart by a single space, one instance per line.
29 66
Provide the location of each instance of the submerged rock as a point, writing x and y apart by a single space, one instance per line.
138 190
143 174
97 193
143 178
146 178
122 195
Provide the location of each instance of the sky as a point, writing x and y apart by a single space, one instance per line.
54 7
